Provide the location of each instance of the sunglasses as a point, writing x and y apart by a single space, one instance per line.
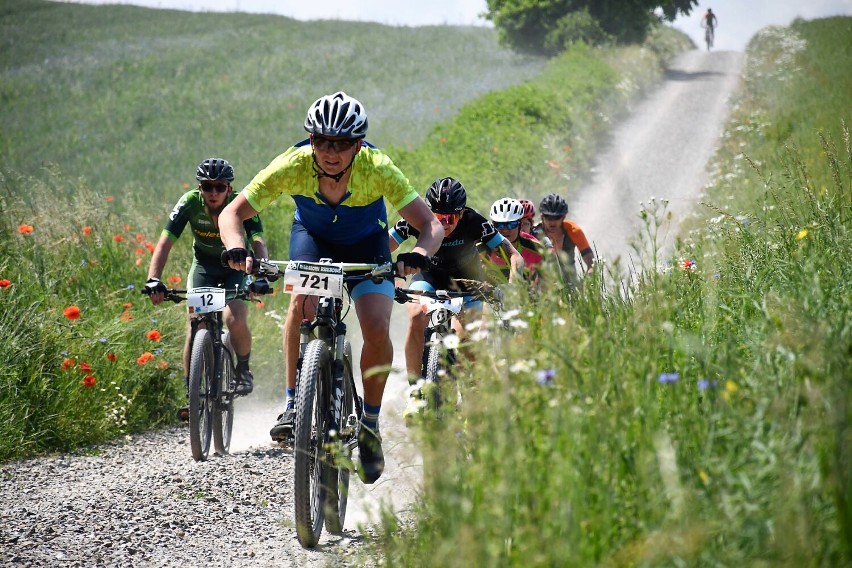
509 225
207 187
447 218
552 217
326 144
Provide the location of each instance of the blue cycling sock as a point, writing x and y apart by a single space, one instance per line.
370 418
291 398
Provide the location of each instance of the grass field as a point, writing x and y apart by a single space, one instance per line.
704 421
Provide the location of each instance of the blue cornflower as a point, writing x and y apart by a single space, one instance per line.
668 377
103 339
704 384
131 287
545 376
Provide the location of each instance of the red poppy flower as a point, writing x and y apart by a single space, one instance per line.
117 238
150 247
144 358
72 312
153 335
126 227
127 305
5 283
87 230
109 198
173 279
88 381
24 229
140 237
126 316
140 251
85 367
68 363
111 356
162 365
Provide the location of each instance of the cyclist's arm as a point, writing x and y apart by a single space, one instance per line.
258 245
231 227
516 261
159 257
418 215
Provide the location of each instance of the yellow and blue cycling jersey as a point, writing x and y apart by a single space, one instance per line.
360 214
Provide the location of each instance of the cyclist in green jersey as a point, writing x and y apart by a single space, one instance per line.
200 209
339 184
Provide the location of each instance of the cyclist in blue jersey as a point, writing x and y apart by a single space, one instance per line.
200 209
339 184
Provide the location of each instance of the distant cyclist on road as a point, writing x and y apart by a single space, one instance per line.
339 184
200 208
456 260
565 236
709 23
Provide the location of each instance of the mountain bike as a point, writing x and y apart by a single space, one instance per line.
709 34
440 340
328 407
212 366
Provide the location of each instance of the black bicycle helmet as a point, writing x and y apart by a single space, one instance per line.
337 115
214 169
446 195
553 205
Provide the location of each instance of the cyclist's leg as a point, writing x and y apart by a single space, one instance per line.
414 339
374 310
235 315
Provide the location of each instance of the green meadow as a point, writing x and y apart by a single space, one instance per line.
702 419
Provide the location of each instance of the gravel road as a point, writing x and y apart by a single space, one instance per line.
145 502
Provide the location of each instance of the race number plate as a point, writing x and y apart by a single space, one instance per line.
203 300
429 305
313 279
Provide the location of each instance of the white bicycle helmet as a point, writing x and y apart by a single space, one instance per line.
337 115
506 210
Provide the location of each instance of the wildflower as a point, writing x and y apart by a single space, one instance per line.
85 367
259 305
688 265
443 140
127 305
185 186
138 262
559 321
111 356
88 381
731 386
173 279
158 351
24 229
153 335
72 312
102 340
5 283
452 341
139 251
126 316
801 234
668 377
163 365
704 384
545 376
87 230
553 165
150 247
131 287
109 199
140 237
68 363
117 238
703 475
144 358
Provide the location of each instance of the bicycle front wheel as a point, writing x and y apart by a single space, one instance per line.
309 434
201 363
432 368
223 416
337 473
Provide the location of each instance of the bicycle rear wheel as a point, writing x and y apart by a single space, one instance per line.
223 416
336 473
201 363
309 434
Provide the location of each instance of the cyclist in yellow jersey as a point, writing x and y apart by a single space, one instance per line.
339 184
